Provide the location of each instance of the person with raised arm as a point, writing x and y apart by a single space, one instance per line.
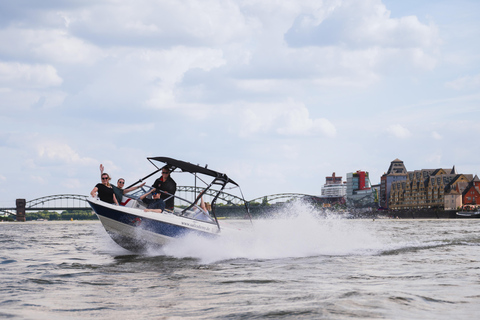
104 190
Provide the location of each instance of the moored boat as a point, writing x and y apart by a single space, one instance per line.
468 214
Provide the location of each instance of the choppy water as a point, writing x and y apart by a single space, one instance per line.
293 268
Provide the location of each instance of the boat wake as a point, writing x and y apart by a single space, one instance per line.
300 231
293 232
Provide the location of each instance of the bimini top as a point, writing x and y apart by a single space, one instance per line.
193 168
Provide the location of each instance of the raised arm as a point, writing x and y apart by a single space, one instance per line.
146 194
133 188
202 205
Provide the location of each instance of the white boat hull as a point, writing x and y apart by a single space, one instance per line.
136 230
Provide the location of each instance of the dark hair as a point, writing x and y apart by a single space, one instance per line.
166 167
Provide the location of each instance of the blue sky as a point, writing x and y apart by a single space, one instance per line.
277 94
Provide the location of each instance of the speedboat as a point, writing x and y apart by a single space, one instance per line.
137 230
468 214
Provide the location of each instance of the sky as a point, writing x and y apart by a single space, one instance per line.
276 94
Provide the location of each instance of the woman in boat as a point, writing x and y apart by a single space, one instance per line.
104 190
205 206
118 190
201 213
167 187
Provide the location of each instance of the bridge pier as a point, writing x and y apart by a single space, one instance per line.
21 209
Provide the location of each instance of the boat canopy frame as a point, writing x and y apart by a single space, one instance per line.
219 178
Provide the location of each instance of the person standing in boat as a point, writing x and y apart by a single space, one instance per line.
118 190
167 188
155 204
104 190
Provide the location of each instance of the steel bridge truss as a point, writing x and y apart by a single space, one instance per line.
280 196
70 201
79 202
228 198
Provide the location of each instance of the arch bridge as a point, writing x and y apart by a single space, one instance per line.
53 202
79 202
279 197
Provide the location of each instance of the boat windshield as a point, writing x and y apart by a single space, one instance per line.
136 194
197 213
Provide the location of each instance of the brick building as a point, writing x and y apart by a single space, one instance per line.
471 194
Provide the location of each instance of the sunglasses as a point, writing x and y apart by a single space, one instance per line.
104 178
122 182
163 172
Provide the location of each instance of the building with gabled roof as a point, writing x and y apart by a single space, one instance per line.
429 188
396 172
471 194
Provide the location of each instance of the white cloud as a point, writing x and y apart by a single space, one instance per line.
55 153
398 131
161 70
365 30
18 99
52 45
436 135
464 83
13 74
297 121
161 24
360 24
288 119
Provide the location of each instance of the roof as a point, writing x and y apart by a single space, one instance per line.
193 168
397 168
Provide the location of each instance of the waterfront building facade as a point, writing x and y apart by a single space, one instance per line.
471 194
395 173
359 191
334 187
429 188
453 200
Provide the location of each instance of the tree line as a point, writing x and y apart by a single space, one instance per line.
64 215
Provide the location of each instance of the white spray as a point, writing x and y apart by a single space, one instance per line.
295 231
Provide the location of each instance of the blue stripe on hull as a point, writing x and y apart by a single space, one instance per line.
158 227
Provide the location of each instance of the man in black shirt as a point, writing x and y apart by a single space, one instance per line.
167 187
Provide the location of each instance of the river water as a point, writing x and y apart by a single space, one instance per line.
286 268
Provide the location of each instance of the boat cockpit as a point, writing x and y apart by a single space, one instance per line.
187 209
